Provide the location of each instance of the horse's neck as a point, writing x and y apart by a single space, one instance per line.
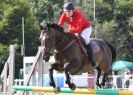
65 36
70 36
63 40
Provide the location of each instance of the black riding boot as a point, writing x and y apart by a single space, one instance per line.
90 55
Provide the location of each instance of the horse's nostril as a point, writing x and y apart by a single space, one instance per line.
46 58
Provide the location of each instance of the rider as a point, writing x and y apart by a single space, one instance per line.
78 24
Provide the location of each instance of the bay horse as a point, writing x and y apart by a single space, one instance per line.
69 56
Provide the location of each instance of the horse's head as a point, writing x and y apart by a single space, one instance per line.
48 38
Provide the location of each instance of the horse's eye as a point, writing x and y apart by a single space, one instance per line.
45 29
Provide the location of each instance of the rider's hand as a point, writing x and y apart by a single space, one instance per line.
76 34
67 31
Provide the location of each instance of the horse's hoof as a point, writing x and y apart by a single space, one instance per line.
67 82
14 91
99 86
57 90
103 84
52 84
72 86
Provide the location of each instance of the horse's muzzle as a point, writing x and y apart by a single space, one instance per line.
46 58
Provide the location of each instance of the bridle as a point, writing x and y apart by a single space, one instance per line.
54 43
49 51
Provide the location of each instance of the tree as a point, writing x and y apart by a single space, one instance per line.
12 33
47 10
4 53
118 11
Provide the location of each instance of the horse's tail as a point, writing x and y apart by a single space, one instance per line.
113 51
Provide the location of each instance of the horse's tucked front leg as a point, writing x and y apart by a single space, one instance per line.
52 83
71 85
71 67
67 77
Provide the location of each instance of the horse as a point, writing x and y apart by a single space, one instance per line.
70 57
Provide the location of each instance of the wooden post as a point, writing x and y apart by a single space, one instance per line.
32 68
8 65
11 69
40 71
5 78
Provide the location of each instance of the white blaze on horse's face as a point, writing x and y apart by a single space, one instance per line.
48 41
42 36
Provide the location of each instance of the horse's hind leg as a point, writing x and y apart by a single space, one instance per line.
104 79
98 76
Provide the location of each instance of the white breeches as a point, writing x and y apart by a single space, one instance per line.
86 33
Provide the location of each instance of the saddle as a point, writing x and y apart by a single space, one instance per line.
95 47
82 44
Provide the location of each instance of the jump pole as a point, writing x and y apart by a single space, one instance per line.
77 91
51 90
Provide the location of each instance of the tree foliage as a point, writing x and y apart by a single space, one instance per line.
11 29
118 11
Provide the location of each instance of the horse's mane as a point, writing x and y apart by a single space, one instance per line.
60 29
56 26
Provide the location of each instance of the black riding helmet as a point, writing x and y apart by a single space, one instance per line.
68 6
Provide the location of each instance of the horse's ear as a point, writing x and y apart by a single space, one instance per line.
43 25
40 26
48 25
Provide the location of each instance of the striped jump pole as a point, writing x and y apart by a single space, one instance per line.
77 91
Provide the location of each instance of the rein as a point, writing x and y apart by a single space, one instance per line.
68 45
64 44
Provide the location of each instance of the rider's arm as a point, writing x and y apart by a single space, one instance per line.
77 27
62 20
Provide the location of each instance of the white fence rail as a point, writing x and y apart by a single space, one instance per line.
85 80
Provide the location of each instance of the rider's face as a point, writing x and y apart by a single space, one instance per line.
69 13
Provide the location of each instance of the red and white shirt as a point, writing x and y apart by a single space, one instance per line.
77 25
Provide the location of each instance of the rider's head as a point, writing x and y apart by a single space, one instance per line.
68 8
